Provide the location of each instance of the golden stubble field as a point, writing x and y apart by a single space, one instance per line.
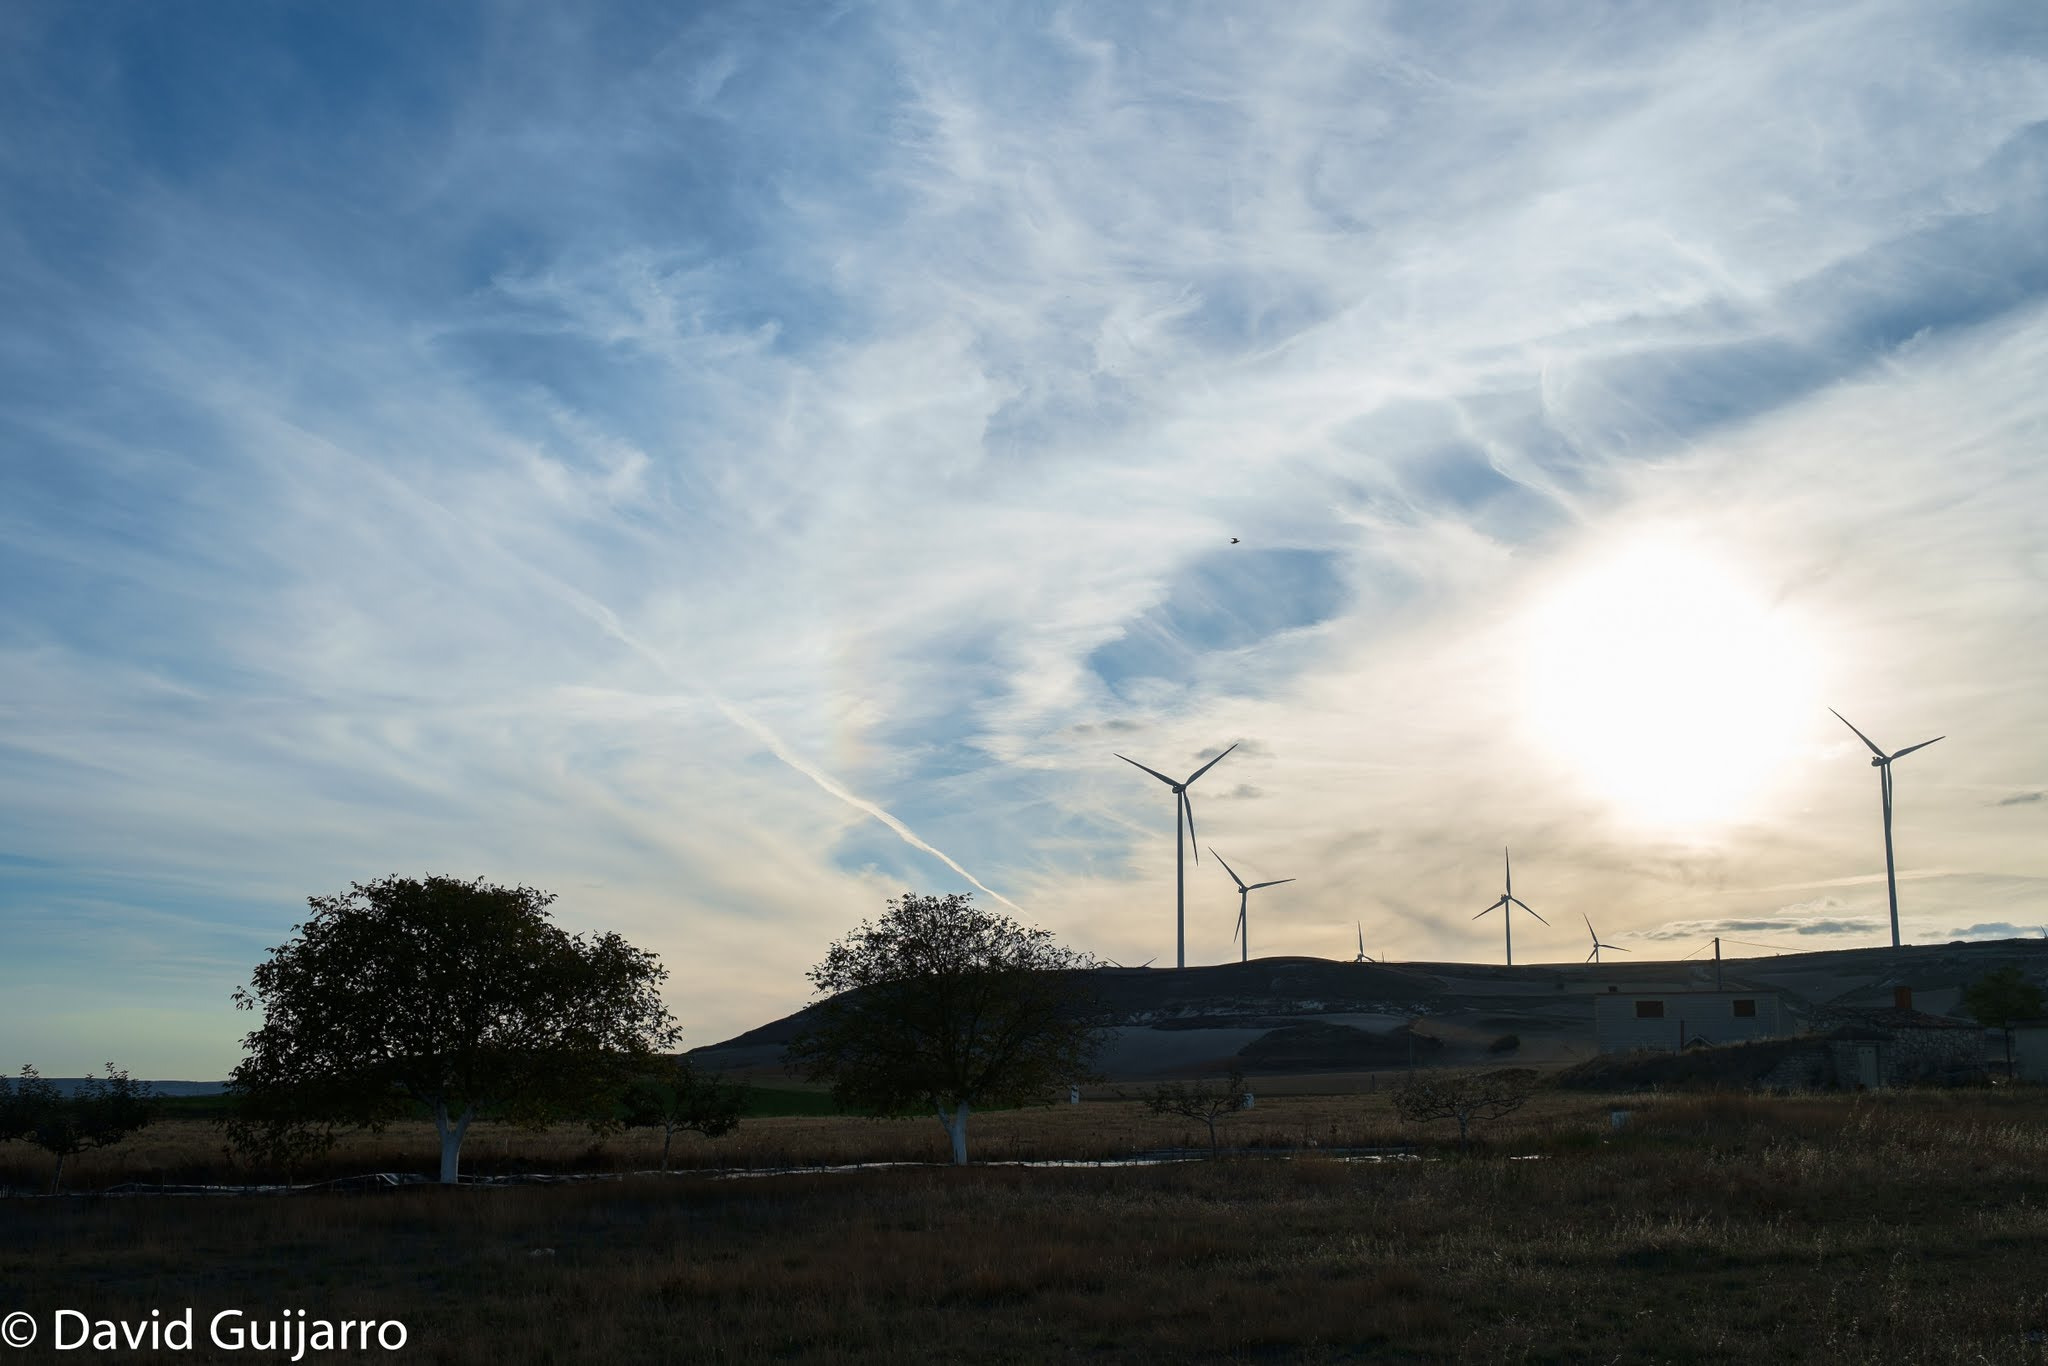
1903 1227
191 1151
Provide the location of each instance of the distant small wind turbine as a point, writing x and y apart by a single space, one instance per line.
1243 931
1361 944
1182 807
1883 764
1506 906
1594 956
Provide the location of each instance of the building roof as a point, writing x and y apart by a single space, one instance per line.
1744 992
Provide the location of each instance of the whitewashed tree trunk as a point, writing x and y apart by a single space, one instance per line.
451 1139
956 1129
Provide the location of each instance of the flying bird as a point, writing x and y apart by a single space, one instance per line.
1233 540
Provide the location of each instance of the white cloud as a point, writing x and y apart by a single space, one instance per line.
503 492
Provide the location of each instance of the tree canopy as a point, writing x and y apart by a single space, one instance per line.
942 1006
98 1114
440 994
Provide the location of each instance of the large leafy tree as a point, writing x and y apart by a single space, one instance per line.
943 1007
449 996
1999 999
100 1112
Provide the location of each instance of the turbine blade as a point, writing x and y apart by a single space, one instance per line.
1592 953
1219 858
1616 948
1859 734
1211 764
1238 929
1256 885
1922 745
1494 907
1525 906
1189 807
1153 771
1507 867
1589 926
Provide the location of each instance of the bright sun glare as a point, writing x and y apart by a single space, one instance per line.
1669 683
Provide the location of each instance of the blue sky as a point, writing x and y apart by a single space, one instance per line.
730 464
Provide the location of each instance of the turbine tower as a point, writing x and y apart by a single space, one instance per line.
1594 956
1182 809
1883 764
1244 893
1506 906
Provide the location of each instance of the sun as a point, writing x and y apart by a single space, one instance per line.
1669 683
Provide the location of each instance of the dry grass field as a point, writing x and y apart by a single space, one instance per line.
1903 1227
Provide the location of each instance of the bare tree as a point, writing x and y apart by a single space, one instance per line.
1202 1100
1463 1096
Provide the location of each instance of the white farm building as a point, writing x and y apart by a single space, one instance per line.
1627 1022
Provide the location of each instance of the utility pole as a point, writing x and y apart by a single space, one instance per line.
1717 963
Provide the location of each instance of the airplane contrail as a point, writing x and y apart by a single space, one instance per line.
781 751
608 621
752 725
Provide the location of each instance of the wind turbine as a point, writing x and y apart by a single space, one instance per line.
1506 906
1361 945
1883 764
1244 894
1594 956
1182 808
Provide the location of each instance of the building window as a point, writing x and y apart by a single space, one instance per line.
1649 1010
1745 1010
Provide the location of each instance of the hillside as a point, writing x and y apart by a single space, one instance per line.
1276 1016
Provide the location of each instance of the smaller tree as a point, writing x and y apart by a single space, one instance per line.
1999 999
944 1007
673 1096
1465 1097
99 1114
1202 1100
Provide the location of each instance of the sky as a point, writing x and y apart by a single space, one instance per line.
732 464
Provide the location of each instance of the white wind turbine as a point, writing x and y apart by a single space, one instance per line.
1883 764
1594 956
1362 958
1182 809
1243 931
1506 906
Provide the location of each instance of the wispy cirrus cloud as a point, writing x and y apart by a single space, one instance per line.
730 467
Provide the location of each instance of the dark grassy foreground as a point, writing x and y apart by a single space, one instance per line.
1897 1228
